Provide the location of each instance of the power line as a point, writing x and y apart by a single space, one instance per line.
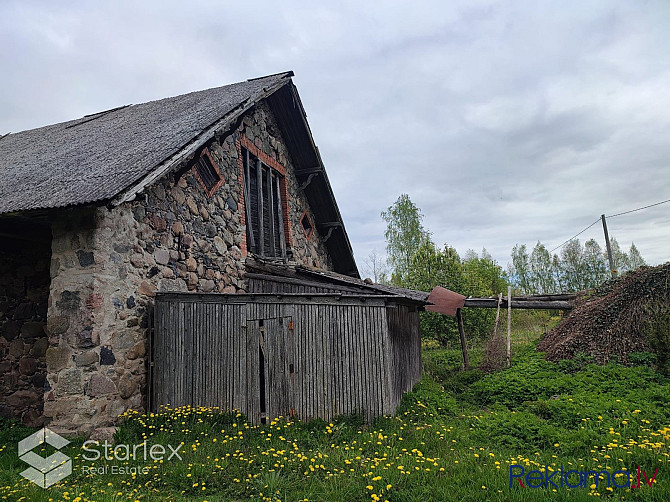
639 208
611 216
576 235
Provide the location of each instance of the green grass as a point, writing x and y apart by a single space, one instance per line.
454 438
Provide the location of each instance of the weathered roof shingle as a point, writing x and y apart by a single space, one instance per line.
99 156
110 156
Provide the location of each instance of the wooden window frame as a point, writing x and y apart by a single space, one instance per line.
275 200
194 168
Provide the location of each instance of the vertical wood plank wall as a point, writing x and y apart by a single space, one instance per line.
324 355
403 324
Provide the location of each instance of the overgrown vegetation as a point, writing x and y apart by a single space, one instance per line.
624 316
657 332
454 438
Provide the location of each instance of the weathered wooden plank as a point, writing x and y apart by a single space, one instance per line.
336 361
327 361
271 215
247 200
353 361
519 304
344 355
259 187
375 328
282 237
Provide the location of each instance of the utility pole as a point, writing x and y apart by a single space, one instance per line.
609 248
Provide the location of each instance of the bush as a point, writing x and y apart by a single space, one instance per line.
657 330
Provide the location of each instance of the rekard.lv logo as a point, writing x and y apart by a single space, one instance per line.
43 471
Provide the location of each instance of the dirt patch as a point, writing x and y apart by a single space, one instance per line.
612 321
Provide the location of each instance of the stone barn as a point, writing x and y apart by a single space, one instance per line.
99 214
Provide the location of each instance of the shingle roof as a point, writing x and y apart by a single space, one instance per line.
110 156
98 156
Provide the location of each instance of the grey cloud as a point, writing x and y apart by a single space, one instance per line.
505 121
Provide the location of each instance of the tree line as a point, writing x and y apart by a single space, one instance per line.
414 261
578 267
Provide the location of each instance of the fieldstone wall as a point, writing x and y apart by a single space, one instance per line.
24 293
107 266
261 128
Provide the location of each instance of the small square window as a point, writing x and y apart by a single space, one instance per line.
307 225
207 173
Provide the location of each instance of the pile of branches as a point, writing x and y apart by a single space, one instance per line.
612 321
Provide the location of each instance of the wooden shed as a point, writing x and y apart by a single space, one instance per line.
301 355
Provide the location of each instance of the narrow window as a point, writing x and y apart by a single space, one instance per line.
207 173
263 206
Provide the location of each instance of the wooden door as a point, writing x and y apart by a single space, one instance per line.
275 367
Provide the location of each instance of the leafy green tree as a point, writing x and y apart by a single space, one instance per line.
483 277
635 259
404 234
595 270
573 266
419 264
621 263
542 278
487 272
430 267
557 272
520 269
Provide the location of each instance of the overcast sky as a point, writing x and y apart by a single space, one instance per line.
506 122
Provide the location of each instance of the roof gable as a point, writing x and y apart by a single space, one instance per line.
109 157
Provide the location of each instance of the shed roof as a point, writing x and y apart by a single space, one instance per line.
310 277
110 156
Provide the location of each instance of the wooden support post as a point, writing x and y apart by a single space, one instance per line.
495 326
464 346
509 326
613 270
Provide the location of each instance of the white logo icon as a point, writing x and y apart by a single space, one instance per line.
45 472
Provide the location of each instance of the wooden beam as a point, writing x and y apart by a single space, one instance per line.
559 296
302 173
309 180
491 303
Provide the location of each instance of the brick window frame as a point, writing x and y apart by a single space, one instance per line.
306 218
214 165
241 142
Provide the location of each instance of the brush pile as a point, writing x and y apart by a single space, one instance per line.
613 321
